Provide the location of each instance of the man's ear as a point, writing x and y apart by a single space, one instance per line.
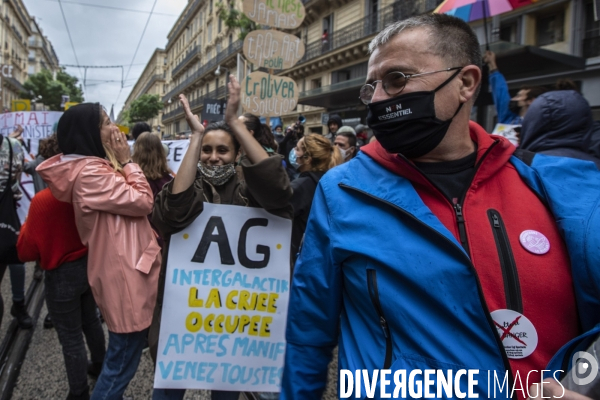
470 80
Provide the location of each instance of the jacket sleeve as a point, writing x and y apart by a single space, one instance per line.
314 309
101 189
174 212
268 185
301 199
30 166
501 98
27 246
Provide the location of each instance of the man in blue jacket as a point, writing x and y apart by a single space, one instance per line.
438 251
509 110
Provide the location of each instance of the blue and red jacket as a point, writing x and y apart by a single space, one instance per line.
402 278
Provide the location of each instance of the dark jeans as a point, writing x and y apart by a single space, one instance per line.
121 363
17 281
73 310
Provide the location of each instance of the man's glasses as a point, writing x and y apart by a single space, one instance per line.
393 83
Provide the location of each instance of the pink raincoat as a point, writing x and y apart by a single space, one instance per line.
111 216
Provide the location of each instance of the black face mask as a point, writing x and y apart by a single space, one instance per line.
514 107
407 124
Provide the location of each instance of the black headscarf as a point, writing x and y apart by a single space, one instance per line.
79 131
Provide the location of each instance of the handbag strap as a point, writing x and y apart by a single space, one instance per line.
10 152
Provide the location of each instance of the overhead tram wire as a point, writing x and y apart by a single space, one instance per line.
136 49
114 8
69 33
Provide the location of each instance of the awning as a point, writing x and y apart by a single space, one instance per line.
518 61
338 95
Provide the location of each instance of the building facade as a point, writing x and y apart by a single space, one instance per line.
535 45
151 81
201 52
41 54
15 30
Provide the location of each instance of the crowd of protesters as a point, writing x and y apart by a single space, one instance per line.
413 236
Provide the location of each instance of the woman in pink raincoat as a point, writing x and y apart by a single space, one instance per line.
111 199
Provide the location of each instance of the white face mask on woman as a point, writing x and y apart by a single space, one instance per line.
293 159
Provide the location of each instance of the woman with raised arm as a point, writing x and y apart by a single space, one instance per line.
111 199
208 174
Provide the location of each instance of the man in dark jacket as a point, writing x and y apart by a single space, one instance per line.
333 124
559 123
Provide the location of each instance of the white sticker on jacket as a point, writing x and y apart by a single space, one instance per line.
517 333
534 242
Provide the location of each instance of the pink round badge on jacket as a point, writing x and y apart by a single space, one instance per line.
534 242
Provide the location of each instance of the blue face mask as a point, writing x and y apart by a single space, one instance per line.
293 160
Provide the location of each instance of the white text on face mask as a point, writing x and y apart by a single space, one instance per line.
395 114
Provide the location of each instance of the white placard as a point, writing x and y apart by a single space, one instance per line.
225 302
36 124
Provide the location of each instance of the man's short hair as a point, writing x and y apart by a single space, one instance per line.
350 136
140 128
450 37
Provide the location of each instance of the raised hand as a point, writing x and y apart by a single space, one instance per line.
233 102
192 120
118 143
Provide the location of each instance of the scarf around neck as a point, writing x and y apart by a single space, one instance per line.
216 175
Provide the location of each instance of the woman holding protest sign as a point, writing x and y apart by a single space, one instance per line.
208 174
111 199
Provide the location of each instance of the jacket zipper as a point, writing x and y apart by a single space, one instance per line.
374 294
512 288
460 221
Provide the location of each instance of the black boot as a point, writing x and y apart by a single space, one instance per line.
94 369
83 396
19 311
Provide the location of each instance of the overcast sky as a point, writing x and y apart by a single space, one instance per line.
104 36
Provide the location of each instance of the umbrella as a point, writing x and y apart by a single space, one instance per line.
472 10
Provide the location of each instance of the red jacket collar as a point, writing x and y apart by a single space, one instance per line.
492 153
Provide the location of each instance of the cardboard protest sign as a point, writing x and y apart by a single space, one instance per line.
36 124
273 49
269 95
225 302
284 14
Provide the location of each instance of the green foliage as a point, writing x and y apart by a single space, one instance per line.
144 108
43 84
235 19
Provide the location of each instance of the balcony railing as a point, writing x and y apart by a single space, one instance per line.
215 94
369 25
191 55
211 64
155 77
